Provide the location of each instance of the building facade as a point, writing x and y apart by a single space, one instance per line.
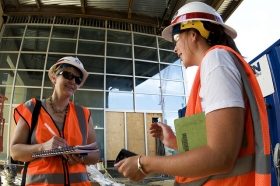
134 75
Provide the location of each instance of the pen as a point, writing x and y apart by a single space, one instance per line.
49 128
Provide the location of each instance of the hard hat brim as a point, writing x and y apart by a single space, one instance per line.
167 32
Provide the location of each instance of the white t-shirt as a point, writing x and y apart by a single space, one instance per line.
221 84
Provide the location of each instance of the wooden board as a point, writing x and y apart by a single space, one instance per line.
135 133
114 134
151 141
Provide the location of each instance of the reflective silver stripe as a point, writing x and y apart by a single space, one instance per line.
82 122
56 178
242 165
30 106
263 163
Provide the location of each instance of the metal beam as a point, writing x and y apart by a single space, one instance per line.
216 4
129 11
179 4
73 11
16 4
38 3
83 6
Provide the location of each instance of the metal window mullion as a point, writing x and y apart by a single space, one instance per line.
104 95
12 94
161 93
47 55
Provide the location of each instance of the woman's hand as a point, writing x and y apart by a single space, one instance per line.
54 142
164 133
129 168
74 158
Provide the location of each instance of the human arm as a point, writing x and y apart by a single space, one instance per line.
19 148
224 128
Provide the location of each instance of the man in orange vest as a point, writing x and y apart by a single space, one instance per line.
226 89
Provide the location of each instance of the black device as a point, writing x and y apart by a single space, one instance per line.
124 154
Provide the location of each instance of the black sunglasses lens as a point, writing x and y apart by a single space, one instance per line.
78 80
70 76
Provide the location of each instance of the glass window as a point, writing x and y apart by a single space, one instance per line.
119 66
65 32
118 50
29 78
47 93
93 64
8 60
174 102
37 31
92 34
89 47
14 31
47 81
118 37
145 40
6 91
173 87
118 83
97 118
10 44
117 100
147 102
6 77
145 53
63 46
32 61
144 85
6 113
146 69
171 72
89 98
22 94
36 45
169 119
94 82
100 141
52 59
162 43
169 57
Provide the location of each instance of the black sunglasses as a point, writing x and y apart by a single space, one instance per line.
70 76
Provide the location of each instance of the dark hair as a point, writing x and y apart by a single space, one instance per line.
218 36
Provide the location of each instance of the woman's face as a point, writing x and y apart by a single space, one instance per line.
65 81
183 48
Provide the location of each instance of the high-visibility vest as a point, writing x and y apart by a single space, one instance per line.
252 166
55 171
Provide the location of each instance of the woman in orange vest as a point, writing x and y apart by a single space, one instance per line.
60 123
226 89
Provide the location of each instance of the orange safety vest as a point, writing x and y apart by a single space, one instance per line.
55 171
252 166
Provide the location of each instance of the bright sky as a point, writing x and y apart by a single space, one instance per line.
257 23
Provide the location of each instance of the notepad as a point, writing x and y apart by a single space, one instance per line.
83 149
191 132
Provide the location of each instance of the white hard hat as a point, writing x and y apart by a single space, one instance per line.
75 62
196 11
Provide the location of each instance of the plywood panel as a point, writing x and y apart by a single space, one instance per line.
135 132
114 134
151 141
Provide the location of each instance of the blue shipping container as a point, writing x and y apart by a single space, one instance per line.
267 68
